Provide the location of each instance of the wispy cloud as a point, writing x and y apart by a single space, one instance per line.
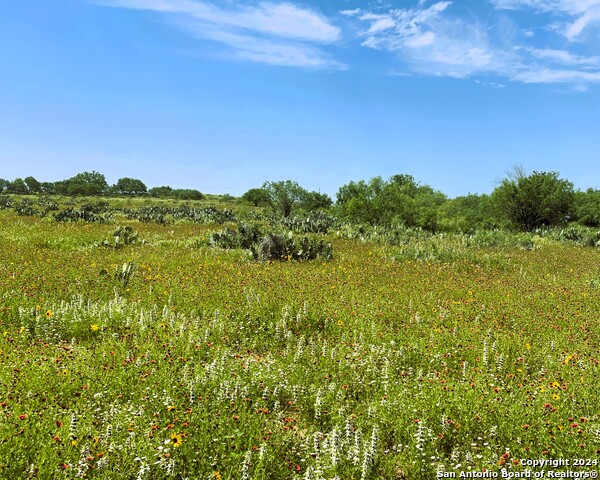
584 13
547 75
268 32
563 57
430 41
427 37
433 39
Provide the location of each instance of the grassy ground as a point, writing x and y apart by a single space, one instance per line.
207 364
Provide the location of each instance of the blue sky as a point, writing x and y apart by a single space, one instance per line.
223 95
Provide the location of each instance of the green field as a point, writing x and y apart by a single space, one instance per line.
442 353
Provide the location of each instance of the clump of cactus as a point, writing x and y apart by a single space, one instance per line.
122 236
272 246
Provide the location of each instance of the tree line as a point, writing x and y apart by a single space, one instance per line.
520 201
94 184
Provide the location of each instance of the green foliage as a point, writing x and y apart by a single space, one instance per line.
161 192
100 206
125 273
574 233
288 247
71 214
149 214
226 198
258 197
178 193
125 236
272 246
356 199
122 236
316 221
287 196
284 196
130 186
48 188
85 183
187 194
4 201
587 207
540 199
17 186
33 186
313 201
526 202
26 208
163 214
468 214
400 200
246 236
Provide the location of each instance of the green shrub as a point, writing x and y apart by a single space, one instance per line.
25 208
245 237
122 236
281 247
4 202
316 221
272 246
73 215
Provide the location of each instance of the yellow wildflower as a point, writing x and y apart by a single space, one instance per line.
568 359
176 439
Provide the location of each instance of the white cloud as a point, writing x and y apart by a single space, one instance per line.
548 75
576 28
274 33
380 23
433 40
584 12
562 56
279 19
428 38
350 13
569 6
429 41
394 30
261 50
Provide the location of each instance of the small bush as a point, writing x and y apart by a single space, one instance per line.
272 246
315 222
72 215
4 202
122 236
101 206
154 214
25 208
280 247
244 237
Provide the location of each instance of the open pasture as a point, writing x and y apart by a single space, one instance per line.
204 363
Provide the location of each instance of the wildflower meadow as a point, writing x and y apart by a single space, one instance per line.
151 353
